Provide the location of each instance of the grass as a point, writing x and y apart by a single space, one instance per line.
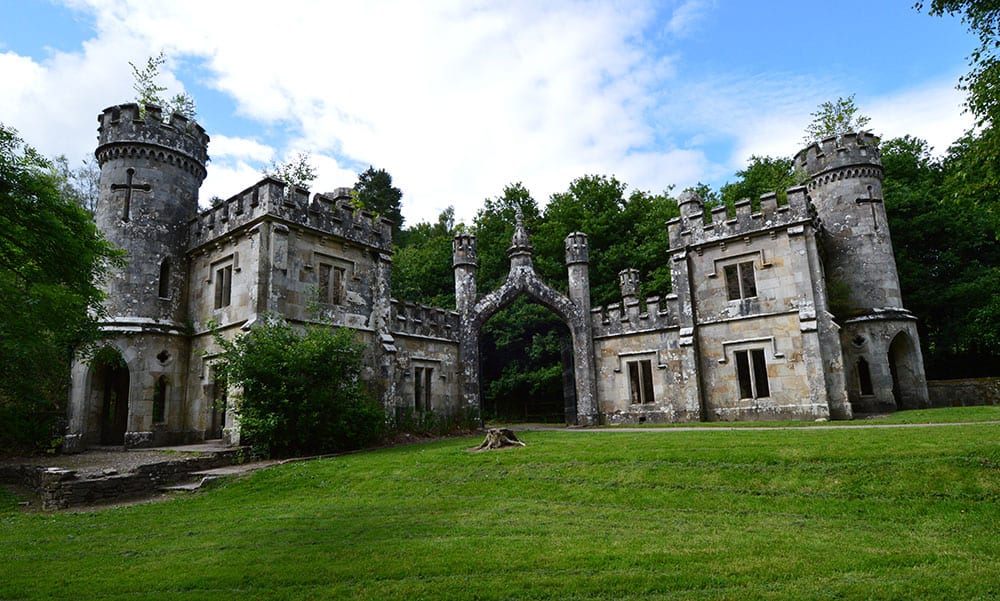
947 415
899 513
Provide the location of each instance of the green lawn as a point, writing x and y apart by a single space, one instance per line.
900 513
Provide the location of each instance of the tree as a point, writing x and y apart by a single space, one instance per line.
983 82
297 172
82 185
375 192
52 258
300 391
148 91
422 270
947 257
834 119
762 175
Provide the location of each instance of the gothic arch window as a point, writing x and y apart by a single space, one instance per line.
160 400
865 377
165 278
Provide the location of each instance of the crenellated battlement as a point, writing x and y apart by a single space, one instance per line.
124 129
412 319
836 152
691 227
577 248
464 250
632 316
331 214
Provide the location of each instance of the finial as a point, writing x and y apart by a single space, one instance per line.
520 244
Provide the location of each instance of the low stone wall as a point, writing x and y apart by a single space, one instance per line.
62 488
964 393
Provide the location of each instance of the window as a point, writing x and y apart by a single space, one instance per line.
640 380
422 388
223 286
751 371
865 377
160 400
740 281
165 279
331 284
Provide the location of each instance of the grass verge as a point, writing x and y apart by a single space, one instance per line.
746 514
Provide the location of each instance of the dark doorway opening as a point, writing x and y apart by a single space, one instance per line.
527 375
220 399
111 383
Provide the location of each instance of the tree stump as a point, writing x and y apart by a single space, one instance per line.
498 438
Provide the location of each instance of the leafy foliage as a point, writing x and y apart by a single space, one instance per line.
51 259
300 392
422 270
297 172
762 175
82 185
375 192
835 118
148 91
945 238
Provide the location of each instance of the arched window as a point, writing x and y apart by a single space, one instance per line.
865 377
160 400
165 278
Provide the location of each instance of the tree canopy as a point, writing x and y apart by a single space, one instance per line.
297 172
52 259
374 191
149 91
835 118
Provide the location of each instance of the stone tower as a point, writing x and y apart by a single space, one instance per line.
151 170
881 347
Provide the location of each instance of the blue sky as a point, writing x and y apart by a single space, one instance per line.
457 99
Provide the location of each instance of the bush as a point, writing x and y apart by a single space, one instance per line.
300 391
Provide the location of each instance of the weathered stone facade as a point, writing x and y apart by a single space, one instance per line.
747 332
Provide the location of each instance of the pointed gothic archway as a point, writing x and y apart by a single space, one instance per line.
110 390
522 280
903 370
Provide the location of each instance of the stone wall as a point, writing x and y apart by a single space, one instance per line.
61 488
965 392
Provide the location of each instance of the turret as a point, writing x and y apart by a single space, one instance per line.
464 262
845 187
881 349
151 170
578 268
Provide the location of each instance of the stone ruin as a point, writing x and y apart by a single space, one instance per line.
746 333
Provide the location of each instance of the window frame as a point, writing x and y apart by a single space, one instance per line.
640 382
423 378
751 373
741 280
223 274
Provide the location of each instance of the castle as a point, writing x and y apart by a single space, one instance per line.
746 334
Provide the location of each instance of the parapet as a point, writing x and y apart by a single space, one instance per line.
691 228
127 124
329 214
420 320
836 152
577 248
631 317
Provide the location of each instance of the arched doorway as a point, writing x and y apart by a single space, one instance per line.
902 367
573 310
526 366
110 385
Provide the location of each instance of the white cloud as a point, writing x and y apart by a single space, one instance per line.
245 148
931 111
454 99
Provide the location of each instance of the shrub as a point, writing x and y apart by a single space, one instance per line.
299 391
